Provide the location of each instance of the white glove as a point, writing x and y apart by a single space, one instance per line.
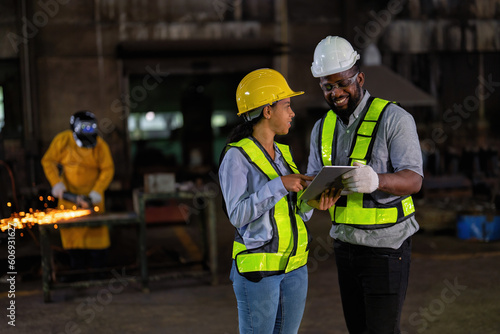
345 192
95 197
58 189
360 180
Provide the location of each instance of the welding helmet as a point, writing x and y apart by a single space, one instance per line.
260 88
84 126
333 55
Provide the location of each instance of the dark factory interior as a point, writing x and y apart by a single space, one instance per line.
160 77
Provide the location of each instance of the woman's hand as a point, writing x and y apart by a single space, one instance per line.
295 182
328 198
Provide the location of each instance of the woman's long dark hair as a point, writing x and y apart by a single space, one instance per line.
243 130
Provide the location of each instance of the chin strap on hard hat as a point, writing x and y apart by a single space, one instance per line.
253 114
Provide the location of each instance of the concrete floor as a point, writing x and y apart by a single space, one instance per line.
453 289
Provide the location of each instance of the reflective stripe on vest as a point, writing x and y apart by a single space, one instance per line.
357 209
288 249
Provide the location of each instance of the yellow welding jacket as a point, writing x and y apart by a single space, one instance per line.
81 170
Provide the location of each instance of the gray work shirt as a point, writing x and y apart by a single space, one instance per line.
396 147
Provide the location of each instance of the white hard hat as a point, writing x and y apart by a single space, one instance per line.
332 55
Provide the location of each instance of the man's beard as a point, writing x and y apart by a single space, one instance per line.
352 103
351 106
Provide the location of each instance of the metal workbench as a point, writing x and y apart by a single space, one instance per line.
109 219
197 203
202 203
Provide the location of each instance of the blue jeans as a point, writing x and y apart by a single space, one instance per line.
373 283
273 305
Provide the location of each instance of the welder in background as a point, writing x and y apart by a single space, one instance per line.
79 162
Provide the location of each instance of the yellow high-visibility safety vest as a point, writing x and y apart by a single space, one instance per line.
288 249
357 209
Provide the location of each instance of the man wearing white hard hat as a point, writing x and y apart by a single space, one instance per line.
374 219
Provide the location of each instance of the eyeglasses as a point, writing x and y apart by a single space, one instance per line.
339 84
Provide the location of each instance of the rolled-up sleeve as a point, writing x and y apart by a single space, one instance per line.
403 144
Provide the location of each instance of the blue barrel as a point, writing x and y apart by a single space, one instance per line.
478 227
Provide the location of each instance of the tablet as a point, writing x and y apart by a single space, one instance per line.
328 177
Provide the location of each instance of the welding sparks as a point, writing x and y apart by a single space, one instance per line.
22 219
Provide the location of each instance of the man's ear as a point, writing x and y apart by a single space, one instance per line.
361 79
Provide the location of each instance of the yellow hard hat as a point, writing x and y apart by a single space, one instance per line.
262 87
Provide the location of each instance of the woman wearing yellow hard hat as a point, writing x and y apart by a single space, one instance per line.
260 182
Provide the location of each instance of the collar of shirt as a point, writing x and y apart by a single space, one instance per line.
354 116
277 154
